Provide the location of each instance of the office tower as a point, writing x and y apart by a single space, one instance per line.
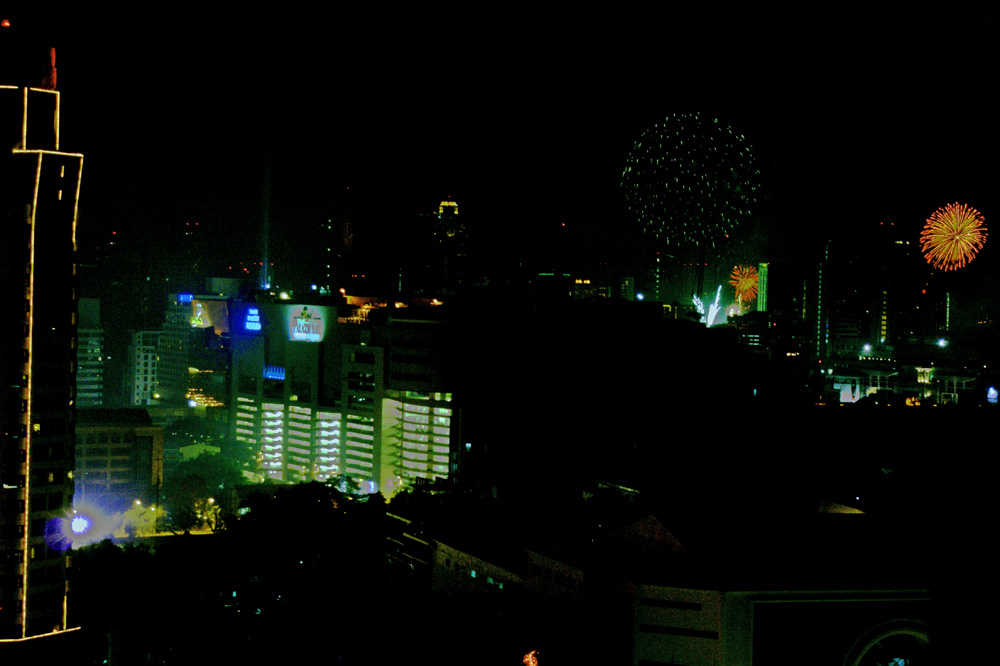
317 393
451 248
172 368
762 287
38 210
90 355
119 458
140 377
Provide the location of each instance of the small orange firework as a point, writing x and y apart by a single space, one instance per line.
744 279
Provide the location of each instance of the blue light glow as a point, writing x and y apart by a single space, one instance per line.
252 322
79 524
274 372
184 298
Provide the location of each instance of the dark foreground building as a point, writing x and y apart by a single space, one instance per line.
39 188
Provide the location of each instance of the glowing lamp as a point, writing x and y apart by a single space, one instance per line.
79 524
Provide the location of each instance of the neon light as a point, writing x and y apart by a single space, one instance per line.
27 414
252 322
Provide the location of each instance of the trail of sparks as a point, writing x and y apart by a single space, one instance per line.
952 236
713 310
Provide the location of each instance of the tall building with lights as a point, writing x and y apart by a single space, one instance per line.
140 374
320 390
89 355
762 287
38 364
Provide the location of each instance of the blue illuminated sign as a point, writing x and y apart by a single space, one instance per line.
252 322
184 298
274 372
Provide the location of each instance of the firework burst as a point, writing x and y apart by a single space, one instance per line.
744 279
690 180
952 236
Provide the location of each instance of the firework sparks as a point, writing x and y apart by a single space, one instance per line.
690 180
713 310
744 279
952 236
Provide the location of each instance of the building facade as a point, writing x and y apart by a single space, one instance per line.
119 458
90 355
38 351
319 391
140 375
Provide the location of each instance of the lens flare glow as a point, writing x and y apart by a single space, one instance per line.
79 527
952 236
79 524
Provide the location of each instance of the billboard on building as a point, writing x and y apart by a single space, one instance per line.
306 323
210 314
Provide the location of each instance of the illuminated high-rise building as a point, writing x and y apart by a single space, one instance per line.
38 364
140 375
762 288
317 394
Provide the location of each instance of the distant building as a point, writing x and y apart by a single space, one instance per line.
141 372
321 391
762 284
90 355
119 458
173 350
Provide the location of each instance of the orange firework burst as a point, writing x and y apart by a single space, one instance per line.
744 279
952 236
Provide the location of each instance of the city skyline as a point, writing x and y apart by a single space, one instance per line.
674 469
522 138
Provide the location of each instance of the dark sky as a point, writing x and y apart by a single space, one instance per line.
524 118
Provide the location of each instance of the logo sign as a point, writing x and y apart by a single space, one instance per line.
252 322
306 323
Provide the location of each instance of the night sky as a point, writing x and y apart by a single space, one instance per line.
524 119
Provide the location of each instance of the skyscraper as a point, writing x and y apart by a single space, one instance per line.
38 208
89 354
